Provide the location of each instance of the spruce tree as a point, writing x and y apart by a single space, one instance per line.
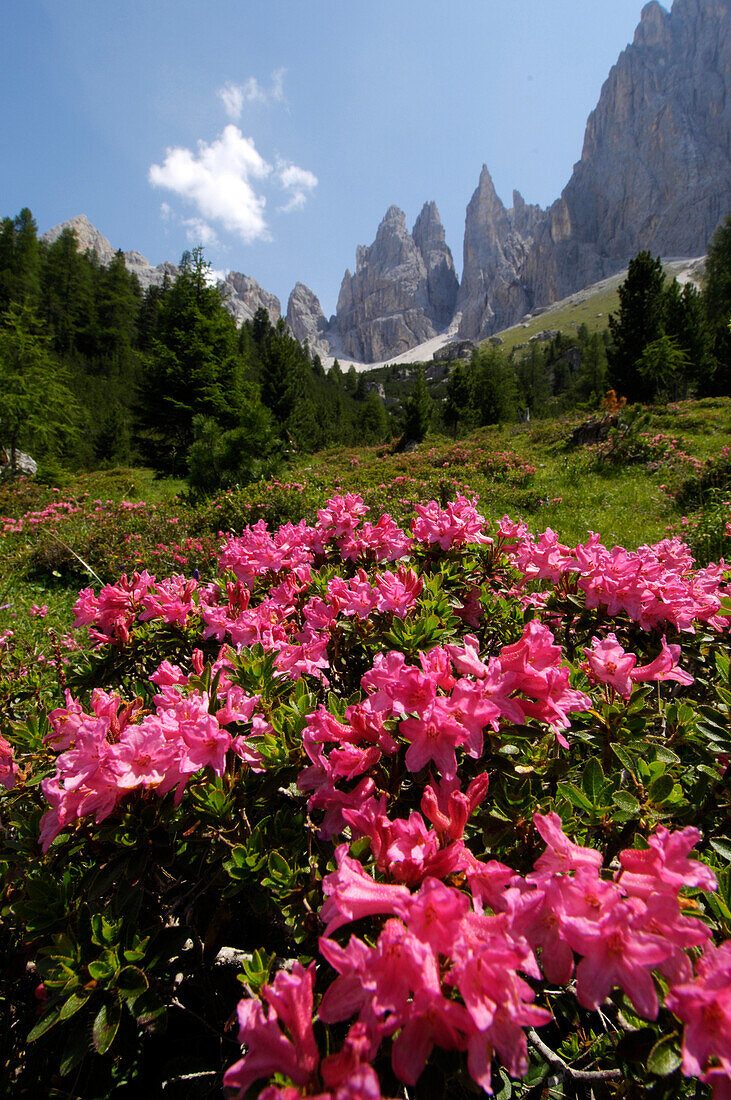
418 410
639 322
37 408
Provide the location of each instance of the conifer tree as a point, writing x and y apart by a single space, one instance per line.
639 322
37 408
418 410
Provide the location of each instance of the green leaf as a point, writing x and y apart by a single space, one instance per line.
76 1049
624 757
132 981
46 1022
105 1026
626 801
666 755
278 866
575 796
593 781
661 789
665 1057
73 1003
723 848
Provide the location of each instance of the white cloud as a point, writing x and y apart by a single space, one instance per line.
233 96
199 232
299 182
218 181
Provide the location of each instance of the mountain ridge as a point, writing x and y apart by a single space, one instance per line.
654 173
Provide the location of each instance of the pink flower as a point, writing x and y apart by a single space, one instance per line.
611 664
704 1006
8 767
269 1049
561 854
664 667
352 894
617 951
664 866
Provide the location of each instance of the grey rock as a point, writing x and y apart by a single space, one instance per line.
442 282
655 170
544 335
383 308
25 466
88 238
434 371
242 296
402 292
457 349
307 321
497 243
496 341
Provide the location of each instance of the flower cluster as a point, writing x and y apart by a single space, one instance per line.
446 969
457 945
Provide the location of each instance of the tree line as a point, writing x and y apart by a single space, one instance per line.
95 372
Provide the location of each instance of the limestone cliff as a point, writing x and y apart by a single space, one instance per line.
403 289
655 170
497 243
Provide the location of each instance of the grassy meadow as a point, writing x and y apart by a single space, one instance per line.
90 528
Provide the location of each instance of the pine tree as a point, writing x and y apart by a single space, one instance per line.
459 401
37 408
639 322
418 410
717 303
496 386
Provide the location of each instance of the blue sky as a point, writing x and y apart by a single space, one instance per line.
278 132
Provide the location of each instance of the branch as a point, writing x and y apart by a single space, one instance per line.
575 1074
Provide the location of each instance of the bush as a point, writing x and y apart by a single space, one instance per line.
469 789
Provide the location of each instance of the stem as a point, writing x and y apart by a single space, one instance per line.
575 1074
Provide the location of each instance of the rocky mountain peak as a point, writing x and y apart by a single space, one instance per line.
306 320
655 171
442 283
242 296
428 227
652 26
88 238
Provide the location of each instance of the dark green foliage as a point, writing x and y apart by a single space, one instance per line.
220 459
459 404
37 409
19 260
717 303
496 386
417 412
372 419
192 368
640 321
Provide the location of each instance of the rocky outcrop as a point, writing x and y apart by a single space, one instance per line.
242 296
497 243
383 308
441 278
457 349
306 320
655 170
88 238
148 275
403 290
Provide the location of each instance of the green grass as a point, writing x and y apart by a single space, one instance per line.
528 472
590 307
